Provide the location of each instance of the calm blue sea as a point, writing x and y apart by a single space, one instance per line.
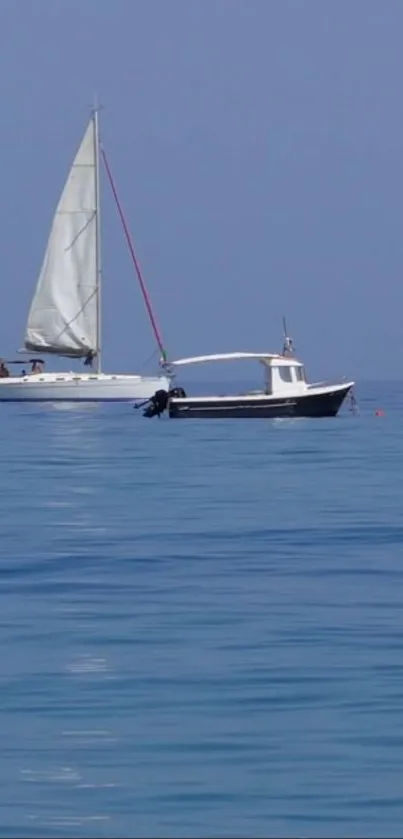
201 624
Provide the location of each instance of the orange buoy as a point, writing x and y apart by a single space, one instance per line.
379 413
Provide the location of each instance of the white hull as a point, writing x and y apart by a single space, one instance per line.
71 387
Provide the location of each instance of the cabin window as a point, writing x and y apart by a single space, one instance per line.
300 374
285 374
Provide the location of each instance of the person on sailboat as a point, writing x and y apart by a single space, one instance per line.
89 358
4 371
37 366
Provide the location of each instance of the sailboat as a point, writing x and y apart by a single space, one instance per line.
65 313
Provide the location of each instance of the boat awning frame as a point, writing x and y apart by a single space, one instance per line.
265 358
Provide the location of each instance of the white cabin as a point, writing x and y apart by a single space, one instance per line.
283 375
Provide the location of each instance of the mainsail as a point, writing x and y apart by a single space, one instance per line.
63 314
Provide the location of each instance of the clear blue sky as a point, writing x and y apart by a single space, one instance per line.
257 146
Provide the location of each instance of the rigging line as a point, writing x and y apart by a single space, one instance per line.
148 360
133 256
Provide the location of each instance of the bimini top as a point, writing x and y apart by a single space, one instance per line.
265 358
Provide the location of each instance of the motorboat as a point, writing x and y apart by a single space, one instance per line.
285 392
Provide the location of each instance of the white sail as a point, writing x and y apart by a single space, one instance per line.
63 313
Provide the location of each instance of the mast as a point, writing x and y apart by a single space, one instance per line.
98 237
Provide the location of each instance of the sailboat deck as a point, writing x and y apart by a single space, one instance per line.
50 378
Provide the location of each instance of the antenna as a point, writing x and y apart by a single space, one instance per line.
288 345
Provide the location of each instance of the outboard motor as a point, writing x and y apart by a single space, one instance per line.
159 402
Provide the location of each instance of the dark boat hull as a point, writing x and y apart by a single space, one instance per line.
326 404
